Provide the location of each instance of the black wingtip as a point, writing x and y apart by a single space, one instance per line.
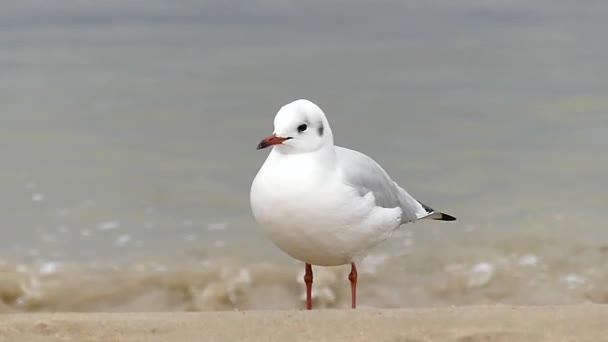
437 215
445 217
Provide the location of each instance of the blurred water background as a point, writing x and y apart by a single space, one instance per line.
128 133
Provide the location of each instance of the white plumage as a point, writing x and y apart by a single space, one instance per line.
323 204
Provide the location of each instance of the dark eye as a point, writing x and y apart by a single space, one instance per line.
302 128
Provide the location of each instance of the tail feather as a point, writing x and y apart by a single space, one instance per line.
441 217
436 215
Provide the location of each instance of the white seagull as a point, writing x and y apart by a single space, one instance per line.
322 204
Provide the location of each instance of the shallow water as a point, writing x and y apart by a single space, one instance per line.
129 134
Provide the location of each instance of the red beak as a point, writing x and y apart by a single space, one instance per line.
271 140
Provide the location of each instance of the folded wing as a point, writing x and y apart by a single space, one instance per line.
365 175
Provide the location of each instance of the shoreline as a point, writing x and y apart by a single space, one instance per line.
585 322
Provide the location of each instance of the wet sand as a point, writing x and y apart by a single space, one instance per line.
471 323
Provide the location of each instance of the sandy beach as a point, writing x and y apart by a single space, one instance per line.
471 323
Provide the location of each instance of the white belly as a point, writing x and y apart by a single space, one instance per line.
321 224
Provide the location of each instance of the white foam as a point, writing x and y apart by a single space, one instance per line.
49 267
322 293
371 263
190 237
159 268
37 197
481 274
528 260
31 291
217 226
108 225
243 277
122 240
573 280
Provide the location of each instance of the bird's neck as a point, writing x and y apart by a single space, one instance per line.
325 157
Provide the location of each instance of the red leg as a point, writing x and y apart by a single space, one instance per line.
352 276
308 282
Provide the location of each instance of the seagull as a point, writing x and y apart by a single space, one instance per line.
323 204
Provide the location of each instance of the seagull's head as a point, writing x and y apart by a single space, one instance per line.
299 127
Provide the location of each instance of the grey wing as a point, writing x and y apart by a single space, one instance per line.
365 175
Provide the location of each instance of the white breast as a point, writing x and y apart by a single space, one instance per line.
312 216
